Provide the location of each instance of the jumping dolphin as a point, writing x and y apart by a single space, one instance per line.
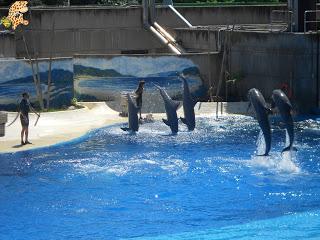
188 106
260 106
284 106
171 107
132 116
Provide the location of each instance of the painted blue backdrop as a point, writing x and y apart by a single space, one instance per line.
101 78
16 78
105 78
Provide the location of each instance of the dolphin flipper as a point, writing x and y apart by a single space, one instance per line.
184 120
166 122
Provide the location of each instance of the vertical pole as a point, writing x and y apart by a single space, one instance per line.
305 22
35 56
32 67
50 63
152 11
271 21
221 75
209 66
145 11
317 68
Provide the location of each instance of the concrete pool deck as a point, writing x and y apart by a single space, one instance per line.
62 126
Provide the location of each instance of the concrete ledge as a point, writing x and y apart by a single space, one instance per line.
224 108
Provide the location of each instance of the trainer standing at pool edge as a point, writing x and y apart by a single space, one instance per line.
24 109
139 93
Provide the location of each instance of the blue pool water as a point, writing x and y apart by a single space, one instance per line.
205 184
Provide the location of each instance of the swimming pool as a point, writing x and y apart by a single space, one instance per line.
205 184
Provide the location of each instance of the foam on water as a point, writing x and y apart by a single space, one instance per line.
278 162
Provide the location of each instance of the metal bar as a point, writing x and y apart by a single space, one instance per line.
305 22
305 18
164 32
174 49
221 73
162 38
180 16
288 14
318 83
145 9
165 41
157 30
152 10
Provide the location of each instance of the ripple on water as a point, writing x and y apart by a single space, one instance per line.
116 185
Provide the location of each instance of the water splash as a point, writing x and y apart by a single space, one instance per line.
261 144
288 159
287 162
283 163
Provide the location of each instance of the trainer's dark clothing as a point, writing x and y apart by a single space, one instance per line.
24 120
139 92
24 110
24 107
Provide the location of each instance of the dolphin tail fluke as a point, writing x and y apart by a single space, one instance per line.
166 122
125 129
287 149
263 155
184 120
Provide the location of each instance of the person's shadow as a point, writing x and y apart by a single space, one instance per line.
17 146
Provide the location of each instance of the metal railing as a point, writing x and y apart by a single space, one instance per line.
180 16
306 21
288 19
